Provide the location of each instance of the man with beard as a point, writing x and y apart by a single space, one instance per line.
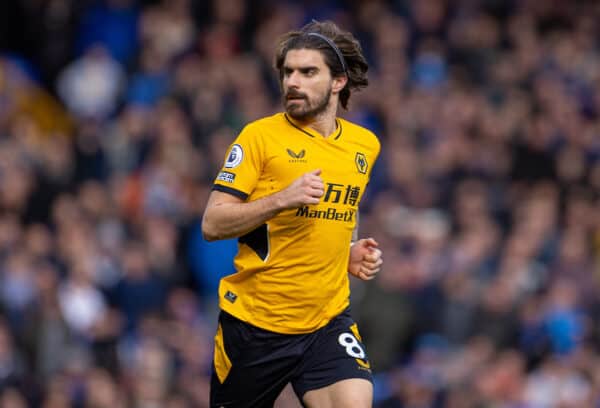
289 190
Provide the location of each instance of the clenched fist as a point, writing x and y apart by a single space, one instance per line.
365 259
306 189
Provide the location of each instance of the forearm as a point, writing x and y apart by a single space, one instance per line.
227 216
229 219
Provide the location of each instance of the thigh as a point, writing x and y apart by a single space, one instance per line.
354 392
337 355
250 366
287 399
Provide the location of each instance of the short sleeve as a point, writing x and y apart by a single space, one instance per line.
243 164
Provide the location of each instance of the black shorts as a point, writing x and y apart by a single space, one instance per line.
251 366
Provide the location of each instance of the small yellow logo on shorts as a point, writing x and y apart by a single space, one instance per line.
364 364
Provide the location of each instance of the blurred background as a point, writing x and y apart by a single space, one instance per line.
114 119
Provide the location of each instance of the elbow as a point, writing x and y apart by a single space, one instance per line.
208 237
209 233
209 230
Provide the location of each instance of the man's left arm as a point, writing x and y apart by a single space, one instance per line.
365 259
365 256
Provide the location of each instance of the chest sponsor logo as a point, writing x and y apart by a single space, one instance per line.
361 163
226 176
335 193
341 193
296 157
329 214
235 156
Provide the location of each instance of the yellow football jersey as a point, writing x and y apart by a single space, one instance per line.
292 271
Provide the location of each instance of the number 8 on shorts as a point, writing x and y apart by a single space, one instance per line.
353 348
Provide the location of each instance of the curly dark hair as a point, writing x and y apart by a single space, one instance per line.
355 63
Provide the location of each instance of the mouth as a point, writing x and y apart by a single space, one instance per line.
295 97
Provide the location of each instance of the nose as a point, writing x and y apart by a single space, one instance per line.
292 80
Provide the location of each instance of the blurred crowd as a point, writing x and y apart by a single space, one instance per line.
114 119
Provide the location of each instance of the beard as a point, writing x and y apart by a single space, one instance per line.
305 108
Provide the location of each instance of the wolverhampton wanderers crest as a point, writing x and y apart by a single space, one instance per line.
361 163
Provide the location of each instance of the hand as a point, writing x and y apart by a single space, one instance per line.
365 259
306 189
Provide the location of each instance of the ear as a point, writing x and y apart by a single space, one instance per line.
339 83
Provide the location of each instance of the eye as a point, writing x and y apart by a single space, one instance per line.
309 72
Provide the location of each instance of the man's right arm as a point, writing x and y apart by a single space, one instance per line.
228 216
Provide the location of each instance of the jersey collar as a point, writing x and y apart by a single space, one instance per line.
308 131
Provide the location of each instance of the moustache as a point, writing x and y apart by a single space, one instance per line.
294 95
